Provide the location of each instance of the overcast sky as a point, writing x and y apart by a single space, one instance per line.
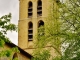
11 6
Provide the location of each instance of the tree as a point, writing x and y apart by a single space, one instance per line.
50 37
5 26
67 29
70 29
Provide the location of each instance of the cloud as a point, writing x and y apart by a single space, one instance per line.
13 36
11 6
5 5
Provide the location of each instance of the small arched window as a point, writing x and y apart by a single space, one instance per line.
15 56
30 25
39 8
40 23
40 28
30 31
30 9
57 1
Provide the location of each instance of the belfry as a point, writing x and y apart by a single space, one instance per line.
32 15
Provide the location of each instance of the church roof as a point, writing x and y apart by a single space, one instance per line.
21 50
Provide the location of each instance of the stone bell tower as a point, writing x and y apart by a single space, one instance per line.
32 15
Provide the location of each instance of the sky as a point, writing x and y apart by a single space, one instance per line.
11 6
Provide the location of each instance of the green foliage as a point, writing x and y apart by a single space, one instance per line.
15 49
8 52
5 53
5 26
50 37
2 43
56 58
41 55
70 29
15 58
63 30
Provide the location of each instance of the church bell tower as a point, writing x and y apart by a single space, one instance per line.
32 15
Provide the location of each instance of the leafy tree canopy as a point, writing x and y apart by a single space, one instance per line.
6 25
63 29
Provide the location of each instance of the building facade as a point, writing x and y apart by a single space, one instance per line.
32 15
20 55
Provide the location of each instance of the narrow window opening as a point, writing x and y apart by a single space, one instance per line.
30 31
30 4
39 8
40 28
30 9
57 1
41 23
30 37
30 25
39 3
15 56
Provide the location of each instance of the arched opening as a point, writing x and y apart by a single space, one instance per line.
39 8
40 23
40 28
39 3
15 56
30 25
30 31
30 5
57 1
